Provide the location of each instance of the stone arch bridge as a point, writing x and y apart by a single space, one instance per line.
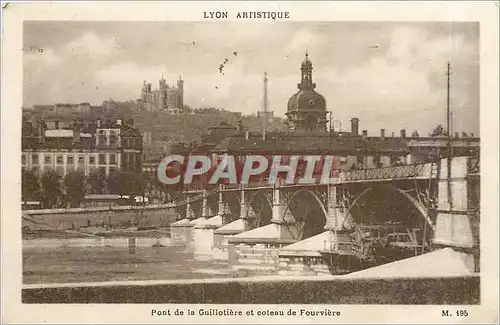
439 199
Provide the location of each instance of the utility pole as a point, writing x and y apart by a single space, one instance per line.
448 130
448 121
330 121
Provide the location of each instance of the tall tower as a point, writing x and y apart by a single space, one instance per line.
264 102
265 115
162 96
180 86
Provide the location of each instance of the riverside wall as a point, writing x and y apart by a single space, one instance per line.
117 216
277 290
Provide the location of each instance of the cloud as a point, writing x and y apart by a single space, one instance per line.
406 87
129 73
401 83
304 39
92 46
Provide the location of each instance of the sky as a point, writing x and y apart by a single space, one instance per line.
389 75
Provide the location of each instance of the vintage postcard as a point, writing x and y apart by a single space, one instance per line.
250 162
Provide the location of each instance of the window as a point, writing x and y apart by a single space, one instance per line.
91 160
70 160
112 158
112 138
36 170
81 159
23 159
34 159
343 159
59 159
47 159
102 159
102 138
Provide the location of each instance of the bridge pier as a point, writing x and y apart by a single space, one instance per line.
315 255
203 231
453 226
181 231
256 251
240 225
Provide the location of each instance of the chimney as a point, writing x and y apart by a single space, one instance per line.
365 133
119 121
403 133
247 134
239 127
355 125
76 133
382 133
98 123
41 131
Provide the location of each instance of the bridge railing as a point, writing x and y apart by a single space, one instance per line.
395 172
422 171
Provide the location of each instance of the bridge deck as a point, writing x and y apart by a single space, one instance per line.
385 174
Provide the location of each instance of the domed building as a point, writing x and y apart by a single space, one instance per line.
307 108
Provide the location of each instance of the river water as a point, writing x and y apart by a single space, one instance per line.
51 263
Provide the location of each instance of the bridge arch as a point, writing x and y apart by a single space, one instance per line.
232 201
304 226
415 203
259 214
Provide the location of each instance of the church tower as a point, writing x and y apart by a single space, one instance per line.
307 108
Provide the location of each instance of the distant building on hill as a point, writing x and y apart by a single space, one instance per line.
165 98
63 108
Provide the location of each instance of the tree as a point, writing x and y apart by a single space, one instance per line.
438 130
114 182
51 189
74 183
131 183
96 182
30 186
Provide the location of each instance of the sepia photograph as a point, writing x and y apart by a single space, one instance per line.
242 161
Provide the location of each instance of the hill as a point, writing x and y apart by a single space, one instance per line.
187 127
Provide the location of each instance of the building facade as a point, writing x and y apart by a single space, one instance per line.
165 98
86 146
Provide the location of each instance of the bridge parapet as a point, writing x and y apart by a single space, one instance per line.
423 171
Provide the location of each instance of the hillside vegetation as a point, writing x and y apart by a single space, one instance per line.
187 127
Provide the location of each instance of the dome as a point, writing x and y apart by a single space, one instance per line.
306 99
